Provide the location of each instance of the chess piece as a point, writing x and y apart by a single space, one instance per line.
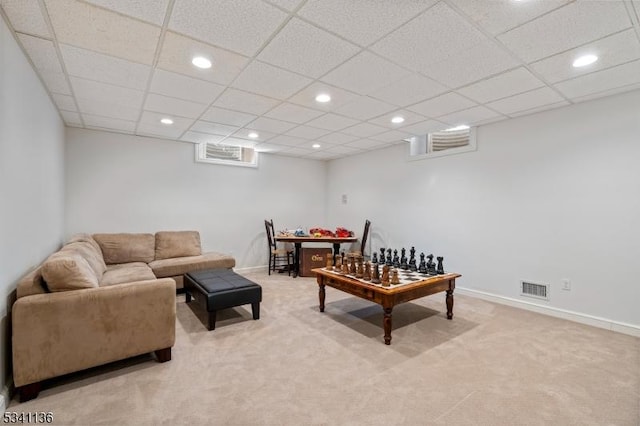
385 276
412 260
352 264
375 274
359 271
422 268
431 266
329 264
367 271
394 276
382 250
396 259
374 259
403 259
338 266
345 269
389 258
440 268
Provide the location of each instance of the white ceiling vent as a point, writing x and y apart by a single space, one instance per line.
539 291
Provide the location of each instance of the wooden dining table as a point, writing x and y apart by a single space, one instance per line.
297 242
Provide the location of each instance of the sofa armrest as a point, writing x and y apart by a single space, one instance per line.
60 333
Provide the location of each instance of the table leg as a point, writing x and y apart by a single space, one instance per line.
449 304
387 325
336 251
296 260
321 294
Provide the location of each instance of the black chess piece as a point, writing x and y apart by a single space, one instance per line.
396 259
375 274
382 251
440 268
374 259
431 266
403 259
389 258
412 260
422 268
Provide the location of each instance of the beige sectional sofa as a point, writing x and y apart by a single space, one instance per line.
99 299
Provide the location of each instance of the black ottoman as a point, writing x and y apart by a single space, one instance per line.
216 289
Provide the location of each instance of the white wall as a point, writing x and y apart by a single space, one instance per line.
121 183
31 178
545 197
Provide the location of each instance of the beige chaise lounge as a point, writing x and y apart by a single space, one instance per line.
99 299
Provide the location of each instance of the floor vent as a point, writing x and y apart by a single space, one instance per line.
539 291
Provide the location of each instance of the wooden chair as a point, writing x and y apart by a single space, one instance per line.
363 240
277 257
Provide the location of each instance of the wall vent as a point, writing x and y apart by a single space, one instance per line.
539 291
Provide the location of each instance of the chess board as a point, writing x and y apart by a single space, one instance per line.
405 277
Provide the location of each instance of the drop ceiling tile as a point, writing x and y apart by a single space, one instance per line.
332 122
374 18
503 85
262 135
109 123
225 116
409 90
196 137
270 125
240 26
337 138
288 141
572 25
26 17
471 116
321 155
108 109
539 109
293 113
307 96
297 152
600 81
173 106
409 118
499 16
365 73
364 130
447 32
107 93
268 80
305 49
442 105
42 53
245 102
152 118
84 25
307 132
71 118
364 108
152 11
64 102
213 128
178 51
183 87
270 147
425 127
526 101
56 82
611 51
159 130
286 4
106 69
343 149
366 144
391 136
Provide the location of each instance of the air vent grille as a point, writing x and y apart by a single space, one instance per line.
539 291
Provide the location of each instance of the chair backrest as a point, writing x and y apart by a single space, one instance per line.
271 239
365 235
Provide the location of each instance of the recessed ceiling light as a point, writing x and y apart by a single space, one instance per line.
166 121
460 127
585 60
397 119
253 135
315 145
201 62
323 98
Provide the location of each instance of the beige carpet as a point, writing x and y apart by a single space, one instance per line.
491 365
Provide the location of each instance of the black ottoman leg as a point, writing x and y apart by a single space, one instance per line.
212 320
255 309
187 296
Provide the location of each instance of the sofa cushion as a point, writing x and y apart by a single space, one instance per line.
181 265
64 271
32 283
126 248
90 254
84 238
126 273
177 244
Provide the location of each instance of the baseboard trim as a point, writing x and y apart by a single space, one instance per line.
607 324
5 395
252 269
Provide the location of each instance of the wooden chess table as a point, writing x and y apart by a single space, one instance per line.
388 297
